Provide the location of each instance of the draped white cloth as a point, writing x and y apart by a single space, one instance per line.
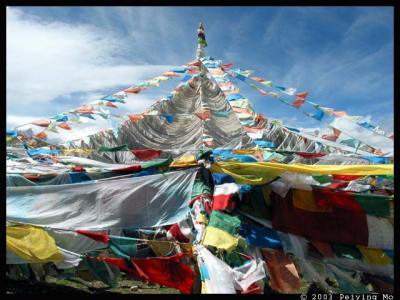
141 202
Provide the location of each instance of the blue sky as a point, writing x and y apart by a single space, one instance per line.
61 57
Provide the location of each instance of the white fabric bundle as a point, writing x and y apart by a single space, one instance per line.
140 202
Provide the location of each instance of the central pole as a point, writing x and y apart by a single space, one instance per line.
201 42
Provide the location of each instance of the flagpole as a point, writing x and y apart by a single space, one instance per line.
201 42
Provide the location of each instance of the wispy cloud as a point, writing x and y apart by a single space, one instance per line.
46 60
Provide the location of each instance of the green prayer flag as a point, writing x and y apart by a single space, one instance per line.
346 251
225 222
101 270
376 205
123 247
114 149
199 187
157 163
322 178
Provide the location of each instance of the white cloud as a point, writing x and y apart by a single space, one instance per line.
46 60
15 120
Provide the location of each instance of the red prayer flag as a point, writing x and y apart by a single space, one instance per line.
78 169
64 126
345 177
282 271
254 288
324 248
336 132
195 63
253 129
340 113
330 137
42 123
258 79
146 154
170 74
260 118
338 185
226 66
168 271
340 226
176 232
41 135
344 200
204 114
262 92
133 90
298 102
193 71
85 109
209 143
133 168
100 237
223 202
110 104
310 155
135 118
302 95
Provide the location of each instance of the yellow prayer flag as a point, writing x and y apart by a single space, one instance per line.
259 173
305 200
220 239
184 161
375 256
32 244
